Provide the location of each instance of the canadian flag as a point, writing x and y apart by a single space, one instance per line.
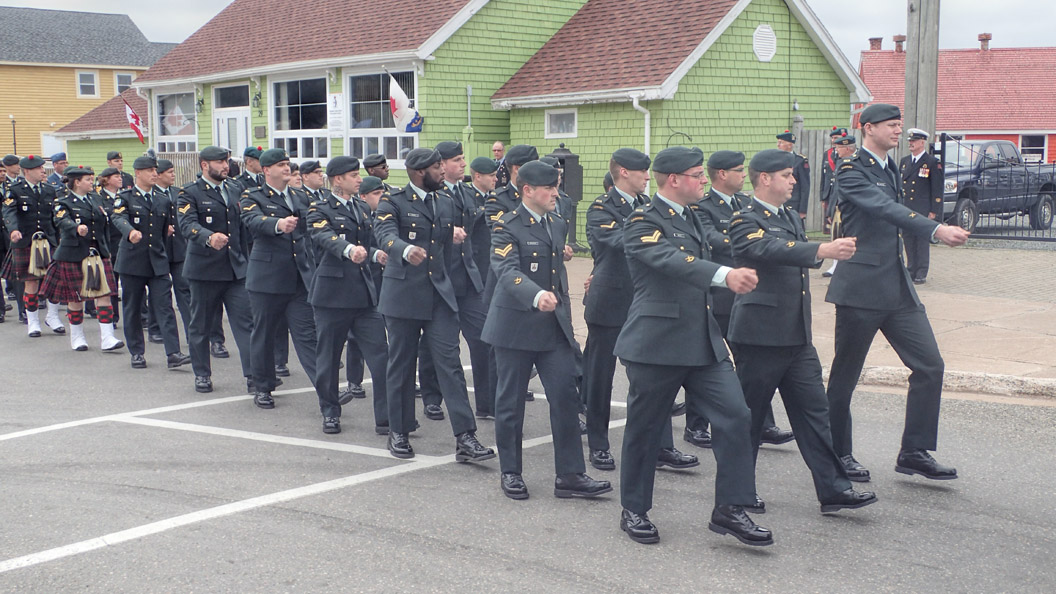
134 122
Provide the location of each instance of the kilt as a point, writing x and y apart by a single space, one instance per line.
62 283
16 265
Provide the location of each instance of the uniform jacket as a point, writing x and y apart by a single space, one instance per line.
481 235
403 219
277 258
249 181
108 200
70 212
127 181
801 193
29 211
714 213
777 312
200 212
923 184
505 199
870 200
828 175
527 260
462 265
175 244
564 208
611 289
670 321
131 211
339 282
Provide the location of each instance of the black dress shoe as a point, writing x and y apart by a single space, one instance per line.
529 396
177 359
22 318
698 437
487 416
156 338
400 446
331 425
678 409
602 460
345 396
357 391
776 436
138 362
855 471
468 449
434 412
920 462
579 485
919 281
673 458
218 350
8 307
731 519
203 383
639 528
263 400
849 499
513 486
759 507
282 371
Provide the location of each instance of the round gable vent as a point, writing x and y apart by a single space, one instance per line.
764 43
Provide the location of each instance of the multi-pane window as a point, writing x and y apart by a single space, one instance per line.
122 81
370 125
177 131
1032 147
300 118
87 83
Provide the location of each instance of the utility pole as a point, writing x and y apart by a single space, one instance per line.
922 68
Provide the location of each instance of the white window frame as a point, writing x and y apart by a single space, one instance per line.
131 75
77 82
380 133
563 111
1044 146
155 116
286 135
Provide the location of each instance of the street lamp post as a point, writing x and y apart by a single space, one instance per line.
14 140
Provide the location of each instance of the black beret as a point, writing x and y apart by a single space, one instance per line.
253 152
113 155
844 139
519 154
677 159
837 131
31 162
484 165
771 160
551 161
631 159
77 171
214 153
10 160
421 158
536 173
144 162
309 167
273 156
164 165
787 136
341 164
449 149
369 184
725 160
917 134
879 112
58 157
374 160
109 171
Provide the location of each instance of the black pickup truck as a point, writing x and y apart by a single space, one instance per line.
989 177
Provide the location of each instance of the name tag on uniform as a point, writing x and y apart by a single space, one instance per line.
412 235
724 221
208 219
881 184
534 267
680 235
533 243
413 215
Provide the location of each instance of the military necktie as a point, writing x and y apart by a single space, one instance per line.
546 227
147 197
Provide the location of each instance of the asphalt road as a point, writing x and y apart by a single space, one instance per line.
120 480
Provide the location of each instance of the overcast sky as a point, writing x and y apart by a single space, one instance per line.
1013 23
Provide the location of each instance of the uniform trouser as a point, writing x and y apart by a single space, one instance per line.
208 297
471 315
557 373
712 388
282 342
334 326
354 363
182 295
796 371
441 335
133 288
216 326
909 333
269 309
427 379
600 363
918 255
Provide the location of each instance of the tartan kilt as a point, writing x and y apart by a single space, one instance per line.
16 265
62 283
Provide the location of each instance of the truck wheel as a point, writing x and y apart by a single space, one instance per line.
965 214
1041 213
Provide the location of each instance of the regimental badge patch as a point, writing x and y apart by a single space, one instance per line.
534 267
412 235
690 259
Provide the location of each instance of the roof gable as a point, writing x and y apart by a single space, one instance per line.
34 35
109 116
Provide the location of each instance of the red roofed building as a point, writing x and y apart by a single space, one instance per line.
993 94
103 129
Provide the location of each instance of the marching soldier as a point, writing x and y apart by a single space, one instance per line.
786 141
59 163
528 325
344 292
922 182
483 171
145 219
376 166
873 291
414 226
175 245
828 172
251 176
110 181
843 147
670 341
207 211
279 272
769 328
116 161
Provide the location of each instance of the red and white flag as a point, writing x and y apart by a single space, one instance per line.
134 122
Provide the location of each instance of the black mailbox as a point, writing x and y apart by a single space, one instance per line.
571 184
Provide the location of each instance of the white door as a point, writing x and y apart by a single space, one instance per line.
231 128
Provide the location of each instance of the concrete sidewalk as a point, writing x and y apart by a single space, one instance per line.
993 312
